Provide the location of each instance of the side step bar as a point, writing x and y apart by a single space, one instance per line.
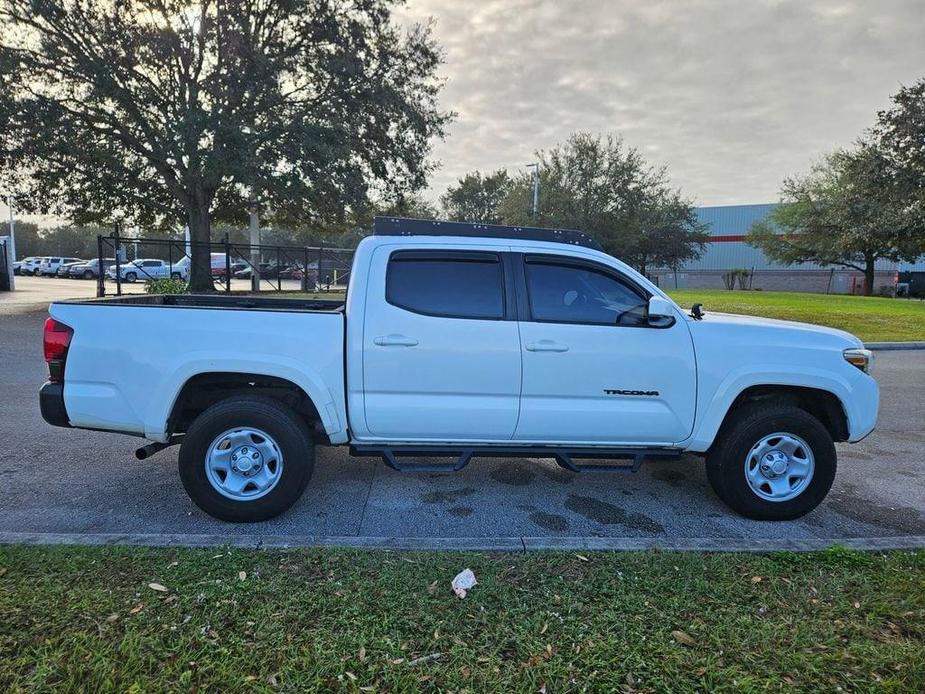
564 456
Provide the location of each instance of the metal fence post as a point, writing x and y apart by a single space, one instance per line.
305 269
279 280
100 269
227 264
320 259
117 246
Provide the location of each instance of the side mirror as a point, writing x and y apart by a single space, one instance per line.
661 313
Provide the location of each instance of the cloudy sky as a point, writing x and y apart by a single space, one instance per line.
731 95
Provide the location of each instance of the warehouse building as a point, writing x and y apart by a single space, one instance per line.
729 258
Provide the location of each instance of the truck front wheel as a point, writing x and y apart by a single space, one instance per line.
246 459
772 462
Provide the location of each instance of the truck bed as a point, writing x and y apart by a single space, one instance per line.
130 356
217 300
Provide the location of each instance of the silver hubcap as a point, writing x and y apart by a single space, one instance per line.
779 467
244 464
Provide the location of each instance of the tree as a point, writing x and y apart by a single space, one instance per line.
476 197
601 186
170 112
845 212
900 134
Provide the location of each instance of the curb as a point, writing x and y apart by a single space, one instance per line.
894 346
489 544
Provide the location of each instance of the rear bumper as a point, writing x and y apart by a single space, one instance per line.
51 402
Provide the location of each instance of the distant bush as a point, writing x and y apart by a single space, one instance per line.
166 285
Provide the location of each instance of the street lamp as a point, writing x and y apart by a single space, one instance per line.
536 187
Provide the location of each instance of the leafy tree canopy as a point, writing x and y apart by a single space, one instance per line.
477 197
845 212
165 112
900 133
602 186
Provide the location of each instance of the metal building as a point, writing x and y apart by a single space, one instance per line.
727 250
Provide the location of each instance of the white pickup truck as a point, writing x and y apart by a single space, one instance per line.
461 340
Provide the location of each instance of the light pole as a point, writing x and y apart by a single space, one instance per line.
254 243
9 203
536 188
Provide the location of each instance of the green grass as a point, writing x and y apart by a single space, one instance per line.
870 318
85 619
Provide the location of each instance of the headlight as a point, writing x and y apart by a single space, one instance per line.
861 358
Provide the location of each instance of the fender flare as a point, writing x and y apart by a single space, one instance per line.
715 406
165 396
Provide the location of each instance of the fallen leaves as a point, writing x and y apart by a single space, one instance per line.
158 587
757 579
683 638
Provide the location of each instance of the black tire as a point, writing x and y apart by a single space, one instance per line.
175 275
88 274
725 464
130 277
291 434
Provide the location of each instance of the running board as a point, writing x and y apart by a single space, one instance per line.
564 456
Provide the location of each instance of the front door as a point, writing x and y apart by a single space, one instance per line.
441 354
594 370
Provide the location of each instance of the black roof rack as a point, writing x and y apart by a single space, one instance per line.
402 226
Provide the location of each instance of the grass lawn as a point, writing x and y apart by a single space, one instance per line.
94 619
870 318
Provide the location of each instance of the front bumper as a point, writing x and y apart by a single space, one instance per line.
51 402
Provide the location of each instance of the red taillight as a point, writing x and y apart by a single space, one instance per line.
57 340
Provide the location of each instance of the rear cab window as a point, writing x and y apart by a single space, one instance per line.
449 284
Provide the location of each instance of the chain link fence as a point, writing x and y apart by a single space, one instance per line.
233 267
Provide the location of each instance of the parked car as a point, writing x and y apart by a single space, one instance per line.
147 269
30 266
91 269
216 265
24 263
266 270
49 266
64 269
463 340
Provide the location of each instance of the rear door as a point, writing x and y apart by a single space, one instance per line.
441 350
594 370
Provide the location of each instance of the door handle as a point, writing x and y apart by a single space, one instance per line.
547 346
395 341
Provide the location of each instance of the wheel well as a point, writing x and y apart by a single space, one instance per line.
821 404
204 390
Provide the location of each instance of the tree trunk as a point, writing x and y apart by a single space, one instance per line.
200 279
869 275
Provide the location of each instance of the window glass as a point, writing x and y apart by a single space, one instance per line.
573 294
461 285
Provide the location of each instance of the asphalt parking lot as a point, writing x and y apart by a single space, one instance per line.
58 481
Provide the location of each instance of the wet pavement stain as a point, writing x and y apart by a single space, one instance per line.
608 514
460 511
549 521
902 520
513 474
441 497
557 474
672 477
855 455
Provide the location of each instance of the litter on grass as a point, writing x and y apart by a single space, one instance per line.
463 582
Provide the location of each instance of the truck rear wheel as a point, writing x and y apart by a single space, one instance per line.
772 462
246 459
